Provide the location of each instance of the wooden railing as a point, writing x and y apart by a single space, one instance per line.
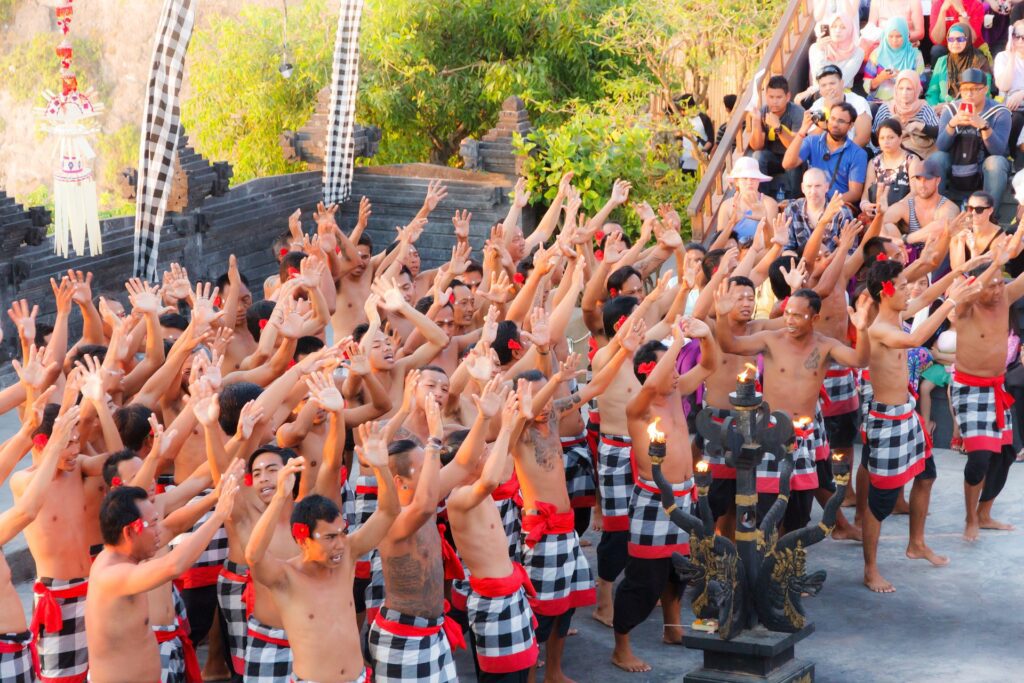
782 56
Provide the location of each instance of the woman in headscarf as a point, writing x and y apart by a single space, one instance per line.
881 11
918 120
894 55
836 44
1008 70
963 55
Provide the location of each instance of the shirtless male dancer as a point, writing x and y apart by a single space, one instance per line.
121 645
897 449
313 590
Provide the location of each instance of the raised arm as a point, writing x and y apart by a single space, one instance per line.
374 452
423 506
861 318
496 469
748 345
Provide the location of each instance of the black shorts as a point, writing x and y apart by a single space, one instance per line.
882 501
798 508
841 429
545 624
824 469
721 496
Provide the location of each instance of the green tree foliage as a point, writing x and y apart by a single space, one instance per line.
31 66
239 103
7 8
600 146
434 72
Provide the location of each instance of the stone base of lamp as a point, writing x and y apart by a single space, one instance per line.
755 656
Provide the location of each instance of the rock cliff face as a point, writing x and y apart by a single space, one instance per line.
124 29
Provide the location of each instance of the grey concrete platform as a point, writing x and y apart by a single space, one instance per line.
962 622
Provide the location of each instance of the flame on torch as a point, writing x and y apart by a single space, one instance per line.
655 434
749 371
702 467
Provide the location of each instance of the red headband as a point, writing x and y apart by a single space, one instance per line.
300 531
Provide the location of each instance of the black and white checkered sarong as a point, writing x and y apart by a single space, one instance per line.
230 590
398 659
579 471
66 652
16 667
898 444
502 631
975 408
161 127
339 154
560 574
214 555
615 479
268 658
652 534
805 474
172 657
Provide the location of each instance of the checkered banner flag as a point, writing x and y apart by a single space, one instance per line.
160 130
340 153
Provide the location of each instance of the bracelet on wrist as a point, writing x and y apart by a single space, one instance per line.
434 442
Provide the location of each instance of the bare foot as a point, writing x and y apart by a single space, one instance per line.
556 677
673 635
902 507
877 583
847 533
584 543
971 532
605 619
926 553
572 632
995 525
630 663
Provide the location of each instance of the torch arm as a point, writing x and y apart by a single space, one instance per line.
778 508
684 520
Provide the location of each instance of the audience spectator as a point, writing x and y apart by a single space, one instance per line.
741 212
729 102
983 233
923 206
702 128
843 162
889 168
919 123
776 121
963 55
894 55
995 30
881 12
836 44
805 213
973 139
832 93
946 13
1008 70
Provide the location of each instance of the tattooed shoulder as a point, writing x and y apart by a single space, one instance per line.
813 361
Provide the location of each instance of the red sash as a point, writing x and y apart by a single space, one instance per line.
47 611
198 577
1003 398
193 672
452 565
499 588
280 642
249 594
510 489
7 648
904 416
546 519
452 630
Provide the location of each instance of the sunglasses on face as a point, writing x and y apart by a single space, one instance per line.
1018 36
978 209
956 39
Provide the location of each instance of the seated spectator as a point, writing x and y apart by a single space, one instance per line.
945 14
890 168
771 131
879 15
729 102
984 234
830 85
843 162
702 128
963 55
806 212
997 31
974 131
924 210
740 214
836 44
894 55
918 120
1008 70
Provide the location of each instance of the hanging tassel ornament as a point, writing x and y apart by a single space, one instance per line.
70 116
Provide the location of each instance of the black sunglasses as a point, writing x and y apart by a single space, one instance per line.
978 209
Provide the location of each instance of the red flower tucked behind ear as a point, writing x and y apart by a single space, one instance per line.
217 302
291 364
293 272
613 292
888 289
283 252
40 440
519 278
599 255
646 368
137 526
620 322
263 322
599 235
248 478
451 299
513 345
115 482
882 256
300 532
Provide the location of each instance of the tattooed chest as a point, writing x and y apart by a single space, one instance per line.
547 449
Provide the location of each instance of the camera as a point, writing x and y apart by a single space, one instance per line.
817 117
